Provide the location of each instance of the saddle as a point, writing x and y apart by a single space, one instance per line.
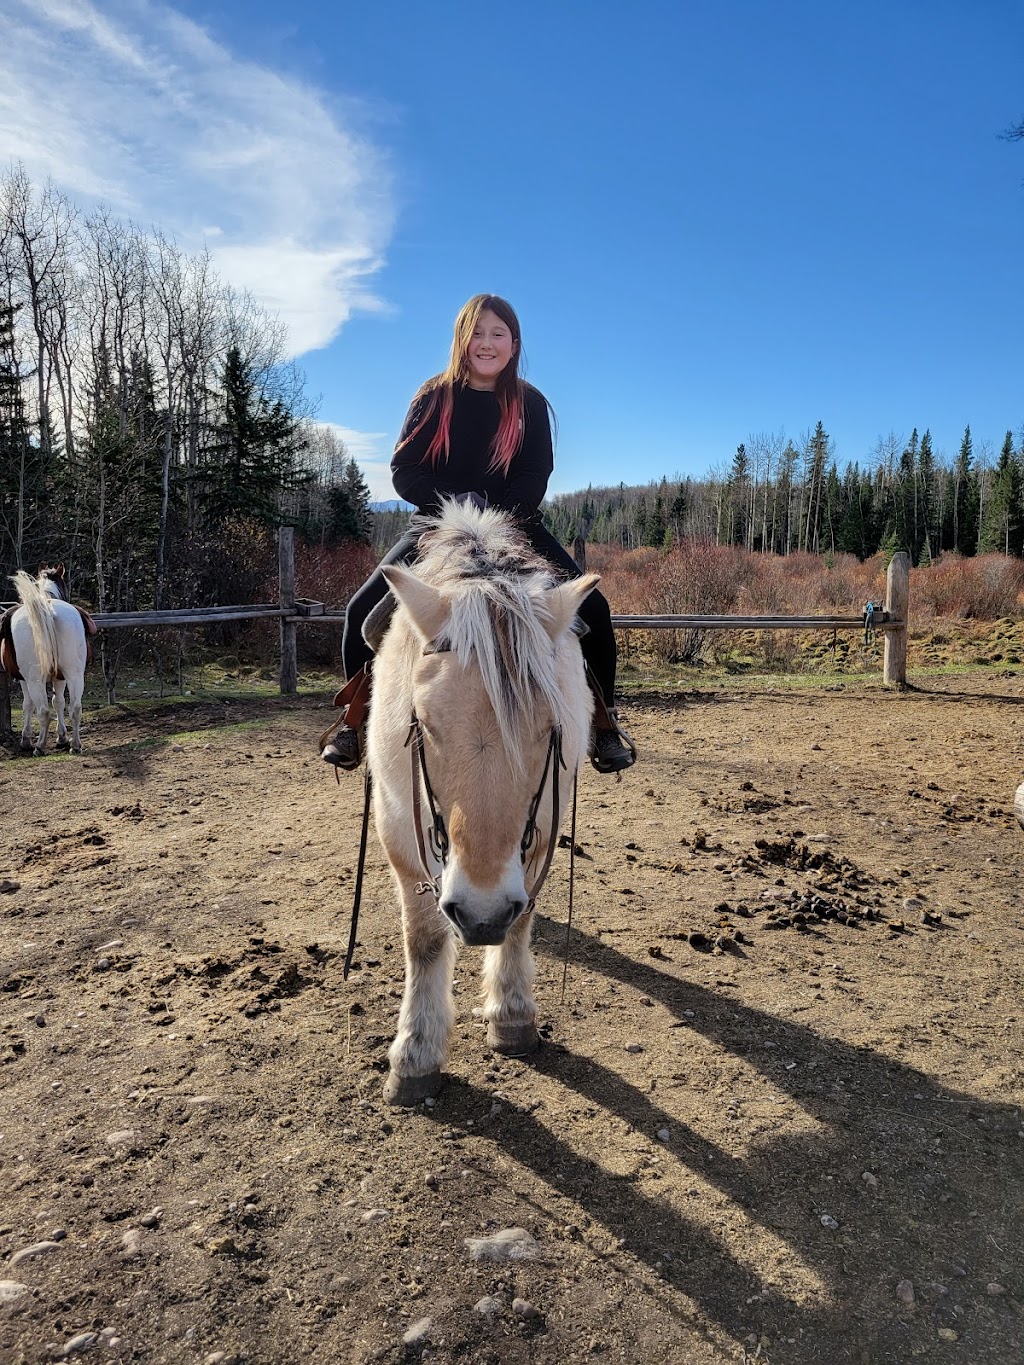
9 656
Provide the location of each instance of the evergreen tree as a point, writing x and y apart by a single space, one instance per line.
349 515
925 483
965 498
1001 529
22 483
253 455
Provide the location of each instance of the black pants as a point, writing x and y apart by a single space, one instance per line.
598 644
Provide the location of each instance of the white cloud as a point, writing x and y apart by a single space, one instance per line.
371 451
133 104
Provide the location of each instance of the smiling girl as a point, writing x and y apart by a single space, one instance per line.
479 431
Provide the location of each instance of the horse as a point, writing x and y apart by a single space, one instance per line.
481 714
48 636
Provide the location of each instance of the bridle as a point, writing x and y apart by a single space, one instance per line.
437 835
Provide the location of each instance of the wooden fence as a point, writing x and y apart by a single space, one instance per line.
889 620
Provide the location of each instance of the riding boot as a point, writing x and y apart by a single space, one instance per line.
341 743
611 748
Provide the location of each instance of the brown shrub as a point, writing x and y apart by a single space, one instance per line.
985 587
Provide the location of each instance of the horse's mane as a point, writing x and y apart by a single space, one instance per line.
497 587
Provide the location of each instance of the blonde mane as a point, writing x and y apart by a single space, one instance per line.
497 588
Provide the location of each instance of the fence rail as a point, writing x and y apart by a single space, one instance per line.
890 621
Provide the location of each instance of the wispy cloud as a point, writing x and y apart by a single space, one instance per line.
131 103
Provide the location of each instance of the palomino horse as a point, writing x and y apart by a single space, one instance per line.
49 638
480 707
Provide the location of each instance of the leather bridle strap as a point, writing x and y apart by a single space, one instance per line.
438 832
554 761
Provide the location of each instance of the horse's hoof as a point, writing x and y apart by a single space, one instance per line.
75 750
513 1040
407 1090
62 742
38 753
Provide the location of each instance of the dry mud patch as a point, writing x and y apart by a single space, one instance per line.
804 1145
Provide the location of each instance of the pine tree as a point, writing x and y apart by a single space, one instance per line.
1001 529
965 498
349 515
253 455
925 484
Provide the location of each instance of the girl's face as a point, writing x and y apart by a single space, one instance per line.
490 350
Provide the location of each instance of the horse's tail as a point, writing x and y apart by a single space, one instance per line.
36 601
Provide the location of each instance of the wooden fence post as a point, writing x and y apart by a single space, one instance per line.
897 604
286 579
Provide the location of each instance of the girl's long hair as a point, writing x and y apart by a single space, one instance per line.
508 389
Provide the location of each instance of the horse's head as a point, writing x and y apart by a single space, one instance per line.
52 580
498 688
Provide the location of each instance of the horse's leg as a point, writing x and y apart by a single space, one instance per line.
62 730
420 1049
27 712
76 715
36 703
509 1007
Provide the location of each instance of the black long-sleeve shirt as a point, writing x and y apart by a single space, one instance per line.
475 418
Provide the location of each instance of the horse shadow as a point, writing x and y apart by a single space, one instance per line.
948 1224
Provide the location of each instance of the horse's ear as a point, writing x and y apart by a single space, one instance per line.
427 609
564 602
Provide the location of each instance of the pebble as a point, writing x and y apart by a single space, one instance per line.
131 1241
36 1249
121 1138
430 1180
151 1219
994 1288
84 1341
947 1334
827 1221
905 1293
11 1291
106 947
663 1135
374 1216
510 1244
488 1307
418 1332
634 1047
870 1180
525 1310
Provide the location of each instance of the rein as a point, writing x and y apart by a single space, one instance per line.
438 833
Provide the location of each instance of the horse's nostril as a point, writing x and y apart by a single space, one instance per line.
454 912
515 909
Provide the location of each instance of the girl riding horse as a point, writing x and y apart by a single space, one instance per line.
478 432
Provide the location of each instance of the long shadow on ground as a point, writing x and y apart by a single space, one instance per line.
944 1215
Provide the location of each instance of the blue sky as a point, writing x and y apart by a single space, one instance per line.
714 219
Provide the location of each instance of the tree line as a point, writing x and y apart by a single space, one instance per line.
780 497
151 426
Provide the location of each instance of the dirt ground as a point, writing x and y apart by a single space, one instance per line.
804 1145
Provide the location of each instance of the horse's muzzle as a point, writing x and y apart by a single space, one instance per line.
478 933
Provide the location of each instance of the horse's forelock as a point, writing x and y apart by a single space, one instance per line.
495 584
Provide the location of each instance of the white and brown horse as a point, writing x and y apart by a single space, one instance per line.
480 710
48 649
